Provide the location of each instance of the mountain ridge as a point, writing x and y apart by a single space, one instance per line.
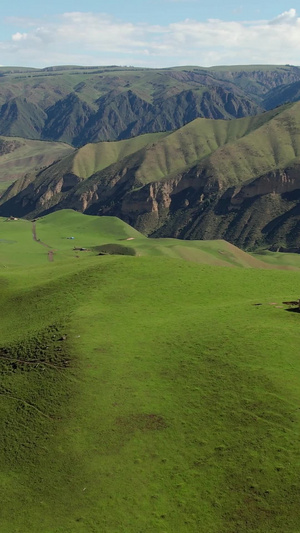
209 179
80 104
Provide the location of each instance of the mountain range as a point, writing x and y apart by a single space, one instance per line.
199 153
78 105
235 178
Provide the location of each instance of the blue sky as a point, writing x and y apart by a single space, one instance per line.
155 33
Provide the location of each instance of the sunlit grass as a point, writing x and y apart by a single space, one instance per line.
144 393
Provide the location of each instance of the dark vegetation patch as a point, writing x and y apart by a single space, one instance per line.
8 146
36 352
294 306
114 249
36 392
38 396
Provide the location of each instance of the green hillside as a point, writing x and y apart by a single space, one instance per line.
265 142
144 393
275 144
153 156
167 153
94 234
92 158
202 138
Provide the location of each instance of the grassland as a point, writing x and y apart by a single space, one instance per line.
148 83
94 157
145 393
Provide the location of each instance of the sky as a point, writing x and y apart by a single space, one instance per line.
156 33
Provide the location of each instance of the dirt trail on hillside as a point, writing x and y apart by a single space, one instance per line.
51 251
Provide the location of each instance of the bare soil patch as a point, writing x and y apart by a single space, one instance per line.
34 236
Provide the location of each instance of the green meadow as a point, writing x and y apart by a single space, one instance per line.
152 388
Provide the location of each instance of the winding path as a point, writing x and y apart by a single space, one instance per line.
50 251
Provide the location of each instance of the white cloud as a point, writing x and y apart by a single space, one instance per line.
89 38
287 17
19 36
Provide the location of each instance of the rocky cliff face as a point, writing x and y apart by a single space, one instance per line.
194 205
191 205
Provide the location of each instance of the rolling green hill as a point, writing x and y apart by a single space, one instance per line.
147 392
93 234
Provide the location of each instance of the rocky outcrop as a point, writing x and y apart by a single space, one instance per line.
195 205
192 205
35 194
276 183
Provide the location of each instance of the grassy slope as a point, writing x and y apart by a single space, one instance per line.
31 93
162 154
193 142
179 409
236 150
247 68
278 258
28 156
92 158
275 144
149 84
91 232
